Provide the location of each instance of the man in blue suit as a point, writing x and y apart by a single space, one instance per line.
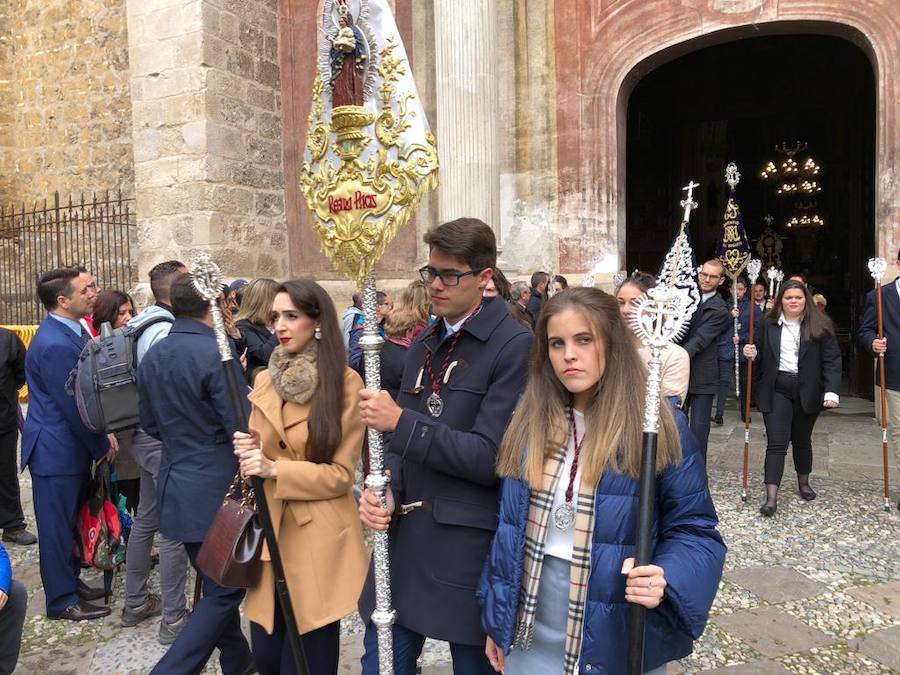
184 403
56 446
868 338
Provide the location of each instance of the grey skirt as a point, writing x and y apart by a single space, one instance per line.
548 649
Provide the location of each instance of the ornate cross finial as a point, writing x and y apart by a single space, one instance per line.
688 204
753 269
732 175
877 268
769 220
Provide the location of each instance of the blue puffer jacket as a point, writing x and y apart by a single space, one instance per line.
686 545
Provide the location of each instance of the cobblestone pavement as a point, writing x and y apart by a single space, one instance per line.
816 589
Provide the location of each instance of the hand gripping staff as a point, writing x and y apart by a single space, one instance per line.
208 282
658 318
877 268
753 268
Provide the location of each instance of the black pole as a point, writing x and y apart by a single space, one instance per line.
265 518
642 549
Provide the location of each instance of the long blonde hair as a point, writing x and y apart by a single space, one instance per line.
613 421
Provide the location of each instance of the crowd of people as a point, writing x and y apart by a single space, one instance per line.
512 414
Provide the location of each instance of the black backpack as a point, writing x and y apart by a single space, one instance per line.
104 381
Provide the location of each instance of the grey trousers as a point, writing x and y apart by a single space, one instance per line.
173 559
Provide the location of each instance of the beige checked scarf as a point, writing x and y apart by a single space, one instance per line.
541 504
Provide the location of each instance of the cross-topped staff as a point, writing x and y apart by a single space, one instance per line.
659 317
779 277
877 268
207 280
753 268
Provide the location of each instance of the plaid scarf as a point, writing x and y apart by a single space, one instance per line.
539 513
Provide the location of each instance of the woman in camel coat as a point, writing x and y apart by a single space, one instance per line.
305 419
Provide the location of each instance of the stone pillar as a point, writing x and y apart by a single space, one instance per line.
467 103
206 107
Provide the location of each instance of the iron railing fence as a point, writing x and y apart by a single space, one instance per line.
96 232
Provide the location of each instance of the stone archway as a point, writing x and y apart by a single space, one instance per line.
616 45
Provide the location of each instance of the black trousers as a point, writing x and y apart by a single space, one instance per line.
215 622
11 517
273 656
787 423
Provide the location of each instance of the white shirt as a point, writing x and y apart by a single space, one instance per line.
559 543
790 345
453 329
707 296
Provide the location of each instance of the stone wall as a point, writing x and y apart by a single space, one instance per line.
207 133
65 106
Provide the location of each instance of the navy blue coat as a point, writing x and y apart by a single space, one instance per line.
868 331
55 441
686 545
437 551
701 344
184 403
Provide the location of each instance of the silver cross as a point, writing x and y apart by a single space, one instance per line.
688 204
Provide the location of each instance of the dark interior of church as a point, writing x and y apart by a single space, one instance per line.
736 102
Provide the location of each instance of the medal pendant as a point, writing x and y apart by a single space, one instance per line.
564 516
435 405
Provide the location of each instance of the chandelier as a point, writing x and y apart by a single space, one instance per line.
794 178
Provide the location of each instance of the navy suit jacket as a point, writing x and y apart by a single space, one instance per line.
184 402
55 441
868 331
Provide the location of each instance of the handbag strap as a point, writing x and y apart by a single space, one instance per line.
248 495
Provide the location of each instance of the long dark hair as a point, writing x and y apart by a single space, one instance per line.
107 305
614 420
327 402
813 324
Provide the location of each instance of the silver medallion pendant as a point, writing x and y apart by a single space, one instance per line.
435 405
564 516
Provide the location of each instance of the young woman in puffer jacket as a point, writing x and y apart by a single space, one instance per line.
560 577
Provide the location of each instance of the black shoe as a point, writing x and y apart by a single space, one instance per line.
81 611
718 420
806 492
88 593
22 537
768 510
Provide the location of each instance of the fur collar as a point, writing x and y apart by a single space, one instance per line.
295 376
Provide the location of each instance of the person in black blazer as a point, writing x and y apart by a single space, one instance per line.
701 344
799 362
868 338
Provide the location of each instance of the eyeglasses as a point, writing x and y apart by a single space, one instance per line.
711 277
429 274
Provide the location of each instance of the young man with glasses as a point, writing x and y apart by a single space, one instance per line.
701 343
461 382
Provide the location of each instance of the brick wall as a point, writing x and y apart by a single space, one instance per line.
65 106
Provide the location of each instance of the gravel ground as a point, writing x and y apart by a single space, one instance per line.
837 544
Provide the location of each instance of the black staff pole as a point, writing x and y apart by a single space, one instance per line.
657 318
207 281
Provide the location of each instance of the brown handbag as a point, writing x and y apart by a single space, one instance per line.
230 552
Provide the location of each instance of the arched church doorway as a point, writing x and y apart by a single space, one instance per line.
735 102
